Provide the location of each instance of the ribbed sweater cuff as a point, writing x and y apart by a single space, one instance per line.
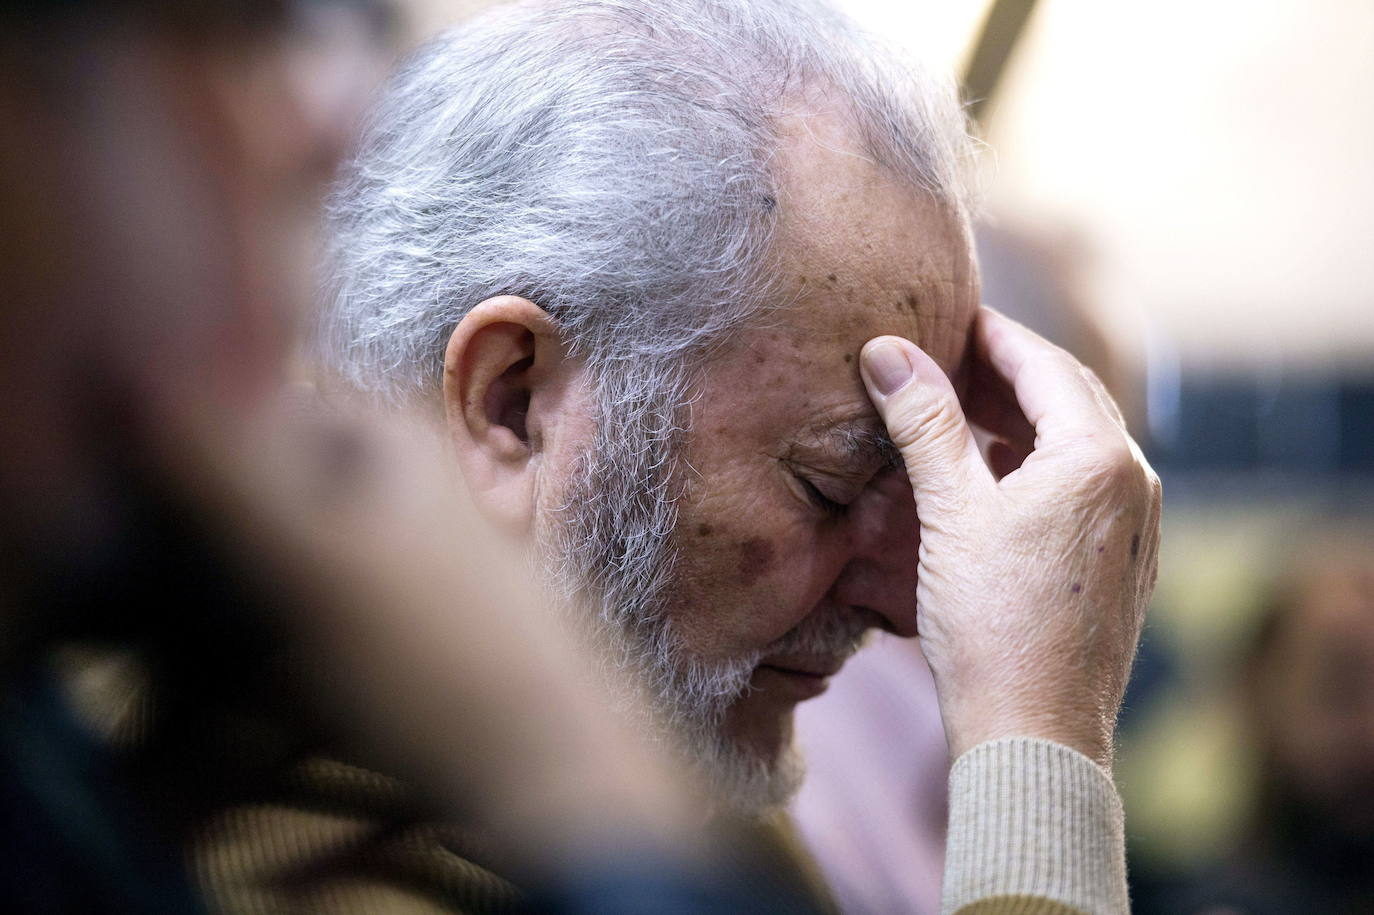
1034 827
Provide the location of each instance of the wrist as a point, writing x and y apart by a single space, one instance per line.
1090 739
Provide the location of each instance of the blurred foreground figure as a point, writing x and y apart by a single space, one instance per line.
1308 688
634 256
221 606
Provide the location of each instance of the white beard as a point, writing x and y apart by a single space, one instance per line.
609 545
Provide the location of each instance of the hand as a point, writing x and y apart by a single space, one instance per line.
1033 582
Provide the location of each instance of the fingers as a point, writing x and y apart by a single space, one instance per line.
1059 397
924 420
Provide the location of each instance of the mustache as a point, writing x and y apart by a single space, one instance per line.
836 635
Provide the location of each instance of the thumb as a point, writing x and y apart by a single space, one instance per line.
924 420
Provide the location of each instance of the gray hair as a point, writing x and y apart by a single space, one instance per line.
610 160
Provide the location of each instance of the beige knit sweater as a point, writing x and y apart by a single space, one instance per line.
1034 827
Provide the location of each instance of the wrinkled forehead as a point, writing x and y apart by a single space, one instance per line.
860 250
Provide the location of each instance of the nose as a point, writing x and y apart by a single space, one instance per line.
884 534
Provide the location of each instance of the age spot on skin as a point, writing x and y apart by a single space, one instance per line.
704 530
755 557
1135 546
848 357
831 278
1076 588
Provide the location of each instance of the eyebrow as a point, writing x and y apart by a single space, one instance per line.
864 442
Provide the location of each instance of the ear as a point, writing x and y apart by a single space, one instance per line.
506 380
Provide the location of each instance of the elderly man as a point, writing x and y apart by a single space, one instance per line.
658 266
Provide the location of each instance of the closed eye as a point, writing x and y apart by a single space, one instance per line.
827 505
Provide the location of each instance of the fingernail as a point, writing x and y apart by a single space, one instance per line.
888 367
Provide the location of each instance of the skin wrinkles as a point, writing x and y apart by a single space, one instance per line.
838 460
860 442
781 406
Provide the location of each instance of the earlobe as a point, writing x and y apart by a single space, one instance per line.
503 368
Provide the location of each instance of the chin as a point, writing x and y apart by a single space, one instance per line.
750 781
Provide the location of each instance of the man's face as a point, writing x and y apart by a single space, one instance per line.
798 529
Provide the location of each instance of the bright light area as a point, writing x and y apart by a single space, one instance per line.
1213 156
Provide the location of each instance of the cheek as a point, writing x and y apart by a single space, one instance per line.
743 583
757 557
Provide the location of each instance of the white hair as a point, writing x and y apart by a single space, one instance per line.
611 161
608 160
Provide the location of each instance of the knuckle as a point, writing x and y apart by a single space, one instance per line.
1110 462
1156 489
935 418
1091 377
1105 400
